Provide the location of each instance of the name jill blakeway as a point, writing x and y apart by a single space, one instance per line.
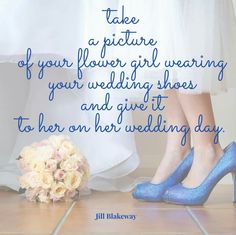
101 216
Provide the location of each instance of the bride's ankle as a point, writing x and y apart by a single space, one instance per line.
178 152
210 151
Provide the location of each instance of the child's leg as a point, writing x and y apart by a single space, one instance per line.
174 152
206 153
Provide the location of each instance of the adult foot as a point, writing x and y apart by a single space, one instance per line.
205 158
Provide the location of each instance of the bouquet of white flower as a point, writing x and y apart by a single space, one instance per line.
53 169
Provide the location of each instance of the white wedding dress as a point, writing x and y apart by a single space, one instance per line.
57 28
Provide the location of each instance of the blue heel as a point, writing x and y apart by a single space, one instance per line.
234 186
179 194
154 192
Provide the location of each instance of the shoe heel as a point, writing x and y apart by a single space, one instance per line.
234 187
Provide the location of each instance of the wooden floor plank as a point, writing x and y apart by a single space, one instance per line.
18 216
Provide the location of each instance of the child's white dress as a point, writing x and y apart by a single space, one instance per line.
57 28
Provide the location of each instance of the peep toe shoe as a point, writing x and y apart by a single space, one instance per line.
179 194
153 192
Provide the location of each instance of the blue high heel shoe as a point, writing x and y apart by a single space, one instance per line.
153 192
179 194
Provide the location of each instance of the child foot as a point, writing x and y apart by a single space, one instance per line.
169 162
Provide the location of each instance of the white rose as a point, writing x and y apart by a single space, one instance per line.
72 180
45 152
28 153
59 174
77 156
46 180
70 194
84 170
43 196
37 165
30 180
58 191
32 193
56 140
23 165
51 165
24 182
67 148
69 164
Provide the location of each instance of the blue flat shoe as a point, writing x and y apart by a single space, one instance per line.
154 192
179 194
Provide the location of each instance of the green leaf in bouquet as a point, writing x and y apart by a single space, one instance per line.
22 190
19 158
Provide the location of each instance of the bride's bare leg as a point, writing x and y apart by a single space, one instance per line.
206 153
174 152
